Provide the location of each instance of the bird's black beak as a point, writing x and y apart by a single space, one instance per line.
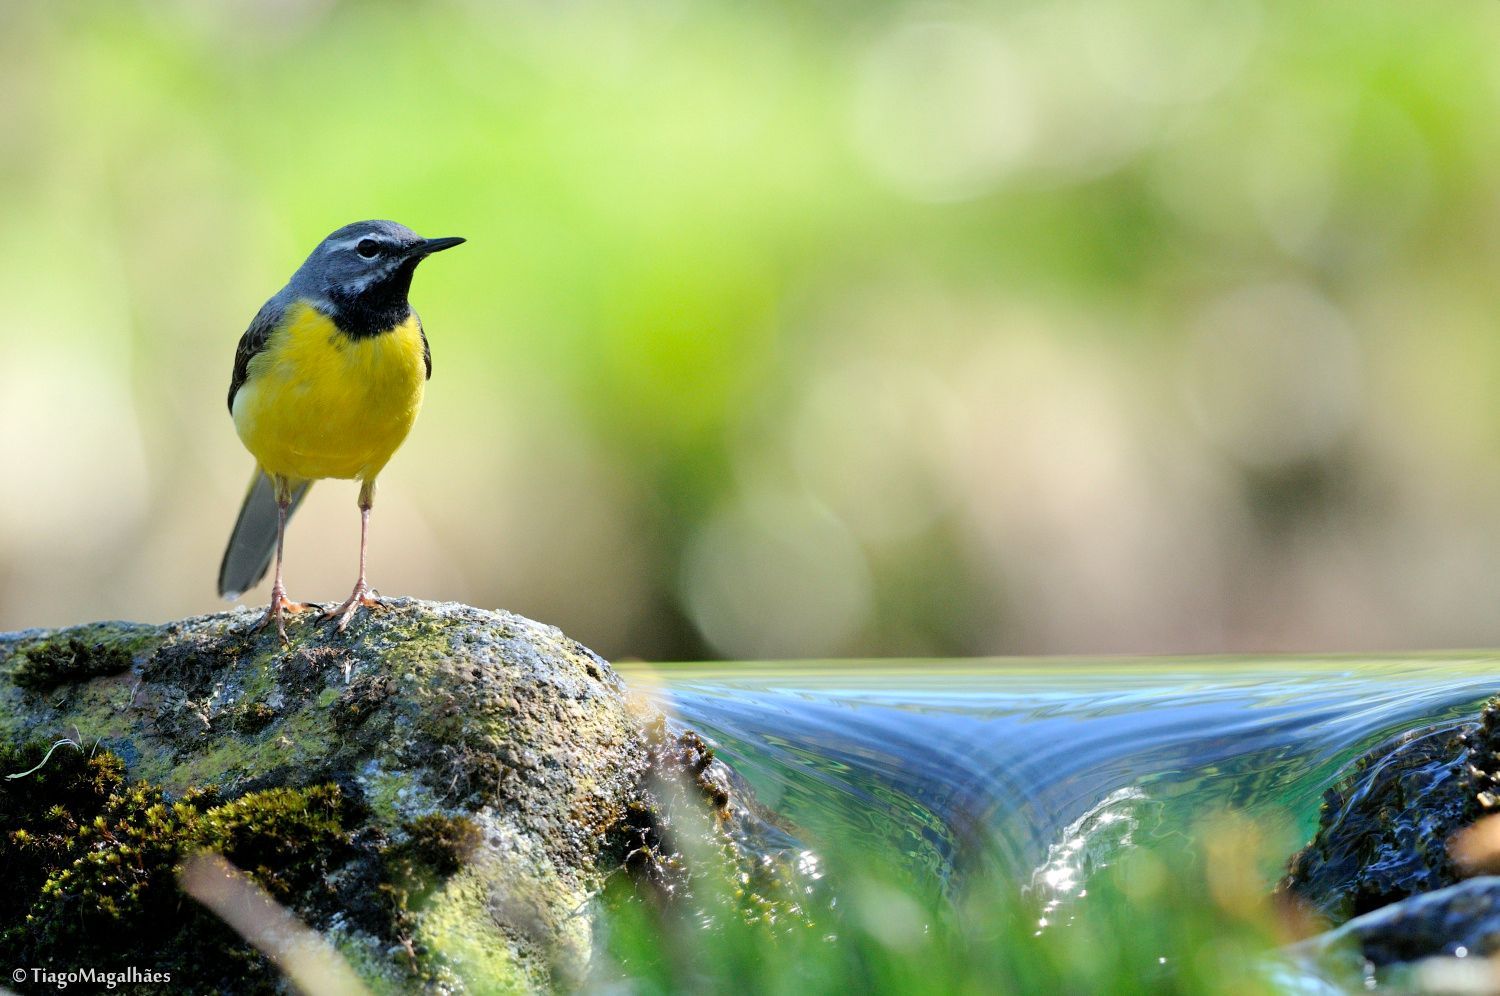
429 246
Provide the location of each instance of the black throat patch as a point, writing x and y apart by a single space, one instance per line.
377 309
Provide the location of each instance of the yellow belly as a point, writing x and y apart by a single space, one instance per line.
319 404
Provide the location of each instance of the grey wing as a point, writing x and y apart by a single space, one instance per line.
254 341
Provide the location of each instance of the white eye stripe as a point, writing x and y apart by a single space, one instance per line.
354 242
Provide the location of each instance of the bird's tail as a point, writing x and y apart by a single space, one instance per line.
253 542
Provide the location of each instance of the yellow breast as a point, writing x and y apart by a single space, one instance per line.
319 404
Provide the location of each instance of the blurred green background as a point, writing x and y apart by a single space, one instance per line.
786 329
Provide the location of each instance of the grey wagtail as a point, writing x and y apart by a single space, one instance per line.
327 382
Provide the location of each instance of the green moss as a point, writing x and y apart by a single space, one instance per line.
88 865
122 865
442 842
287 838
301 738
417 711
49 664
41 813
88 874
252 717
433 848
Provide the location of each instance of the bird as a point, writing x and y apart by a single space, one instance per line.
327 382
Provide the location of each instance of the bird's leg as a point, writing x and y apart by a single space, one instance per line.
361 593
280 604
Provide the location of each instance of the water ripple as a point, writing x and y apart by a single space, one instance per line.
941 763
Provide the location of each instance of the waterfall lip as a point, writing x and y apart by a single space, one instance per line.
953 765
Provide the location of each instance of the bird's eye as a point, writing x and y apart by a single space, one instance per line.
368 248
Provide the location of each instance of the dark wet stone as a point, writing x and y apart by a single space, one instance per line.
1460 919
1383 832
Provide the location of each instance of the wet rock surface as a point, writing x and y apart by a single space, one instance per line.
1381 866
441 792
1383 832
1459 920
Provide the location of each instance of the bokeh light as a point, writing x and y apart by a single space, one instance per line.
911 328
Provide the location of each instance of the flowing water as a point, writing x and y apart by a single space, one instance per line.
1049 766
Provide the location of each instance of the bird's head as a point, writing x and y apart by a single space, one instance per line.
365 267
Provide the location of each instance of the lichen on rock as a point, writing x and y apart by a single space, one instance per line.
441 791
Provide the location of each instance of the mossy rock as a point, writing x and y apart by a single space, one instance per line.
441 791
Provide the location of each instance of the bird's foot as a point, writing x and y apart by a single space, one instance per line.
360 596
277 611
